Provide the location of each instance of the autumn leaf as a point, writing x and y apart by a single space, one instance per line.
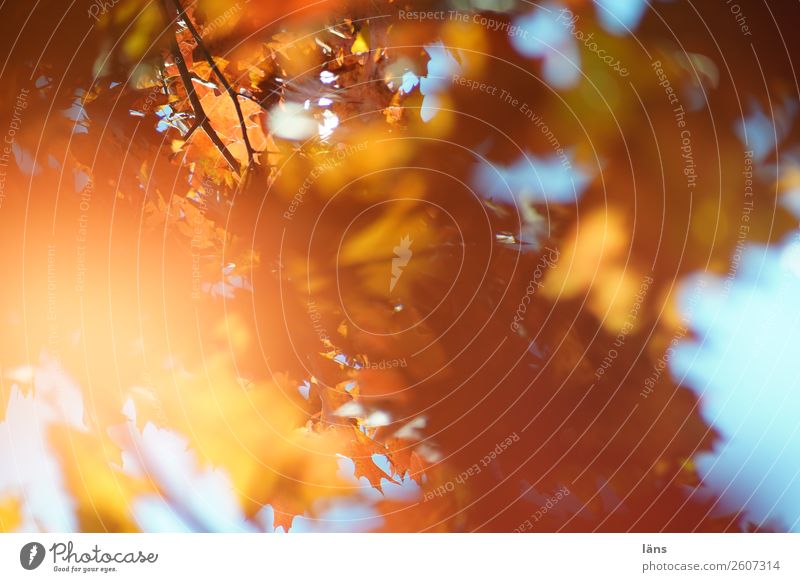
360 450
10 517
104 494
405 460
222 113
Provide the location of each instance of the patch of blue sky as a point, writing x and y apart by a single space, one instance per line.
29 469
342 517
227 286
24 159
165 115
743 366
345 516
788 179
543 36
266 518
441 68
534 179
620 17
356 513
304 389
77 113
81 180
761 134
154 515
791 200
197 498
410 80
405 490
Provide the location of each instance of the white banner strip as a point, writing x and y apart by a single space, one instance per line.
399 557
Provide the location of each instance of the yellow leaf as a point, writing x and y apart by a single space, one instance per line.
360 45
104 493
10 518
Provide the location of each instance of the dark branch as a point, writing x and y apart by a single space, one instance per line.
191 130
231 93
201 119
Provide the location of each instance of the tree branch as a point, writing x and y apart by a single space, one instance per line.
201 118
231 93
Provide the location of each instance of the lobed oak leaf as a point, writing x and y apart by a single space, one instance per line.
225 121
404 459
360 450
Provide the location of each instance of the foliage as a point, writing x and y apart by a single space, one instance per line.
273 252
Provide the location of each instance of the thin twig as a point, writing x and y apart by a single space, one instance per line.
253 99
201 118
191 131
207 56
